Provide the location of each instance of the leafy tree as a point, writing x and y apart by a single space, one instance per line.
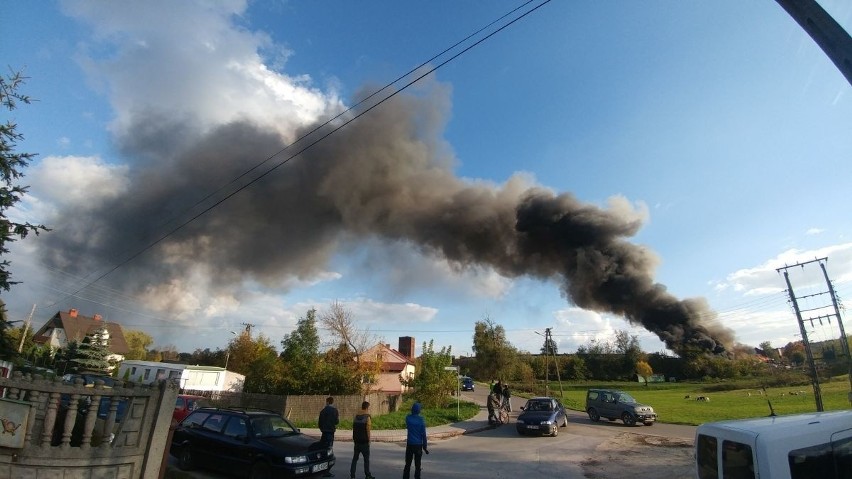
138 342
301 357
93 353
574 368
769 351
11 165
7 346
494 353
432 384
643 369
335 374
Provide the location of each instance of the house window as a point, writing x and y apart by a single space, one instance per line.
147 373
161 374
368 379
133 371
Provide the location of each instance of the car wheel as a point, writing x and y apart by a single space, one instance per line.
565 421
185 462
593 415
555 430
260 470
628 419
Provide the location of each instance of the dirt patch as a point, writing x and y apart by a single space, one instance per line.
639 456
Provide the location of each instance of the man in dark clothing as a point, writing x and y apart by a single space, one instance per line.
328 419
507 398
415 444
361 427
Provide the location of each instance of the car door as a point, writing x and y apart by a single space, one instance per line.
561 417
208 439
234 452
606 407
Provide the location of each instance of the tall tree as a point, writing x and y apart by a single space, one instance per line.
301 357
494 353
12 164
138 342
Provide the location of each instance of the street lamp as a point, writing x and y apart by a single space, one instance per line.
228 352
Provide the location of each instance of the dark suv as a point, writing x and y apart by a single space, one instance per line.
613 404
255 443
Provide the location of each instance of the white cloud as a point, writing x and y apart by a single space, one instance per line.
814 231
213 72
76 182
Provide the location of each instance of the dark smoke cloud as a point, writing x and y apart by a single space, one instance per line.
386 175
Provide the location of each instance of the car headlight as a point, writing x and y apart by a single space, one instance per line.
296 459
330 452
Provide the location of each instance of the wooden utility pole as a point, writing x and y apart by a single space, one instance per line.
26 328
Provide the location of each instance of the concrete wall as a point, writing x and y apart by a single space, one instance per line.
60 443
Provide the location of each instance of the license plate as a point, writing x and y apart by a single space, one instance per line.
319 467
532 427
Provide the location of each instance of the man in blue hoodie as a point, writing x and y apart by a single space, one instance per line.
415 445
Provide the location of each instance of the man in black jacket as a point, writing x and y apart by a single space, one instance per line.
328 419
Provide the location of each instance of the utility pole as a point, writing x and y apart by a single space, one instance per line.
248 328
26 328
844 341
549 351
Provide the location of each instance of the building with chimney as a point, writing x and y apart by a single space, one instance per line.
390 364
65 327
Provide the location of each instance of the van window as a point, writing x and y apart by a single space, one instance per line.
707 457
737 461
813 461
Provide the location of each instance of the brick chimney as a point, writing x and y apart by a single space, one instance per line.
72 312
406 346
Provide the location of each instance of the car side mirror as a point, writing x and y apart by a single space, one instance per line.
523 408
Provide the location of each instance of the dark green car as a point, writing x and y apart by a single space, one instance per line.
613 404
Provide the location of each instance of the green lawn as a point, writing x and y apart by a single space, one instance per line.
671 405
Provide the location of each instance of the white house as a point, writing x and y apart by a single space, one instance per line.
189 377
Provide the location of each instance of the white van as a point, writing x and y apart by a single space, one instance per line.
813 445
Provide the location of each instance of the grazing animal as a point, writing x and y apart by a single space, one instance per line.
686 397
749 394
702 398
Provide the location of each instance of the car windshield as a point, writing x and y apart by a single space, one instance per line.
624 397
539 406
271 426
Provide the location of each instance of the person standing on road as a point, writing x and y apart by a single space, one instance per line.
328 419
415 444
361 427
507 398
494 407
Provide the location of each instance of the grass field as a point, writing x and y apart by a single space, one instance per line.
671 405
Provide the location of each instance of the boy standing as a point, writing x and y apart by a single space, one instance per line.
361 427
415 444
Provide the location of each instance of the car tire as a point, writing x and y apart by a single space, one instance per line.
185 460
555 430
260 470
593 415
628 419
565 421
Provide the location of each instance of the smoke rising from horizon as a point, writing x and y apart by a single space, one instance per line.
388 175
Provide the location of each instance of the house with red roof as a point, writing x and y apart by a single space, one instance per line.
390 365
65 327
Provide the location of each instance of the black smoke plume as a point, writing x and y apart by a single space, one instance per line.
387 175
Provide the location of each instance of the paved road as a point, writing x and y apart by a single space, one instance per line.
498 452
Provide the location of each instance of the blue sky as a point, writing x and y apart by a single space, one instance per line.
721 125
